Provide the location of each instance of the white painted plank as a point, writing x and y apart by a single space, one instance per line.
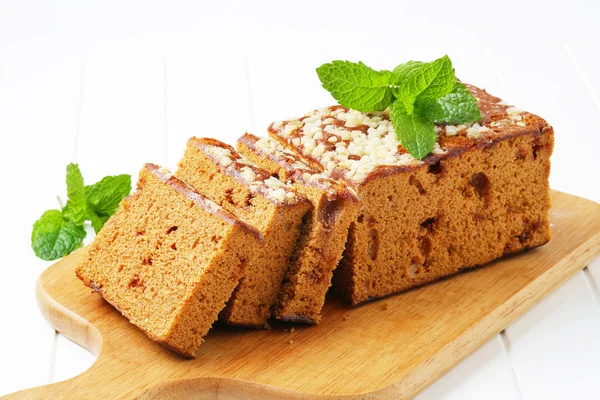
554 349
121 128
122 116
485 374
153 27
556 342
284 85
544 81
71 360
207 96
470 63
586 64
38 113
593 272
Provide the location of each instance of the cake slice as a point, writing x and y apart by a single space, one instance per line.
481 194
305 284
169 259
263 201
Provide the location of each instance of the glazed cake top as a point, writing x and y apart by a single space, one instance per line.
352 145
296 168
257 179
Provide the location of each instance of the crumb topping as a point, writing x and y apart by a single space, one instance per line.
257 179
212 205
273 149
352 144
166 172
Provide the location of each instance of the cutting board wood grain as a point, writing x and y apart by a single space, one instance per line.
391 348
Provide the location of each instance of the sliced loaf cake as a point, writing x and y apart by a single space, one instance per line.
320 249
481 194
256 197
169 259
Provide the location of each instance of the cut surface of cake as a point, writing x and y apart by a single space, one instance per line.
169 259
320 249
481 194
259 199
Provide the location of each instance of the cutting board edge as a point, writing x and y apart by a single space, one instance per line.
84 333
497 320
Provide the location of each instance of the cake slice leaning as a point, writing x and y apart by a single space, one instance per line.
169 259
253 195
305 285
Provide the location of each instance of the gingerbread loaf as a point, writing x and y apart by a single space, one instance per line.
169 259
259 199
481 194
320 249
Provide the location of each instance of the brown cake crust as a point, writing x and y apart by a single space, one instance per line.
169 259
259 199
306 282
481 194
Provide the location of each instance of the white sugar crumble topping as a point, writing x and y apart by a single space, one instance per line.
352 144
245 169
287 159
514 111
272 146
248 174
212 205
473 131
220 155
165 171
451 130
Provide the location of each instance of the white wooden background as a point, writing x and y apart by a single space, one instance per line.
114 84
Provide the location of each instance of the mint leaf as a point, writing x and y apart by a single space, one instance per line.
75 210
57 233
415 134
105 196
402 70
53 236
420 95
426 80
98 221
457 107
357 86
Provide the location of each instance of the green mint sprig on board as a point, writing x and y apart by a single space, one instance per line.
60 232
419 95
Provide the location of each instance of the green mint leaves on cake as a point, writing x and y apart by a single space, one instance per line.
419 95
60 232
357 86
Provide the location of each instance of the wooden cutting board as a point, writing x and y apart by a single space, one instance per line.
391 348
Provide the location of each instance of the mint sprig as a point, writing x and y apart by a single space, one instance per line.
58 233
457 107
360 87
418 134
54 236
419 95
104 197
75 210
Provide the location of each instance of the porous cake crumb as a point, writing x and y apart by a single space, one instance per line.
321 246
169 259
259 199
